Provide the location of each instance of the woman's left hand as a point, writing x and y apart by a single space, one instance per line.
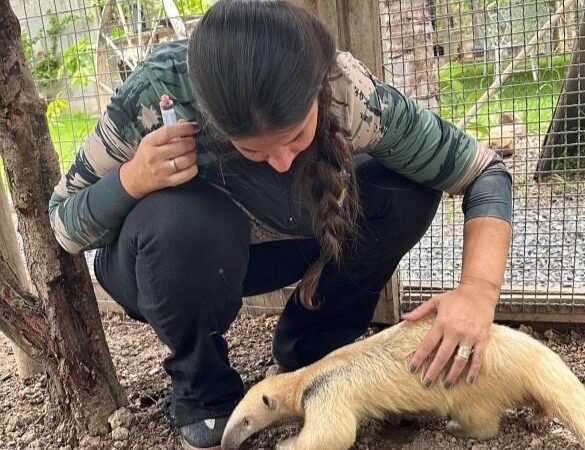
464 318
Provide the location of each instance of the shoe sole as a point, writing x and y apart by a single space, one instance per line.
187 446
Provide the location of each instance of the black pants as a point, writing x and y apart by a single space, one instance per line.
183 260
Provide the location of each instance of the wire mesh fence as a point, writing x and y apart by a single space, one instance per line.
507 71
500 70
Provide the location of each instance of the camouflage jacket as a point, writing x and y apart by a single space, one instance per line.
89 205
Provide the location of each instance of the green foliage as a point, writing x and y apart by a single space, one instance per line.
55 109
48 66
192 7
67 129
78 63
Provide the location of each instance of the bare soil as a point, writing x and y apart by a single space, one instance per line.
138 354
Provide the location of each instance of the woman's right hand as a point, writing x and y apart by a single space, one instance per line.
166 157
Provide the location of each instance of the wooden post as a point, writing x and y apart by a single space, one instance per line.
354 25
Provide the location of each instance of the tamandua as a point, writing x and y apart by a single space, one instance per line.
370 377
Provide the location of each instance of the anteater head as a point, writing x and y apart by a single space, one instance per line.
266 403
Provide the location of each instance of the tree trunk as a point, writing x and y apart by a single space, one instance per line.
10 251
411 65
61 327
563 148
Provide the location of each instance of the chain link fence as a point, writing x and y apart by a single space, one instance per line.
507 71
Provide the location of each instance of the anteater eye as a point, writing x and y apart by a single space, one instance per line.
246 422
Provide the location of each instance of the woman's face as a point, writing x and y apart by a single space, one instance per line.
280 148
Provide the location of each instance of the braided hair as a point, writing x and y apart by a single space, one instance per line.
332 188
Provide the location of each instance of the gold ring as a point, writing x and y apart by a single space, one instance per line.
464 351
173 164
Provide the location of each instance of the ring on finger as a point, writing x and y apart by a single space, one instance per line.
173 164
464 351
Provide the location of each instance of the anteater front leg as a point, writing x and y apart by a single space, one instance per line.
326 427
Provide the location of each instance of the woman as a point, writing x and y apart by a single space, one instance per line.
306 167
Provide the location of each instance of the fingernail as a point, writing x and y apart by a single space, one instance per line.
412 368
470 380
196 126
427 383
448 385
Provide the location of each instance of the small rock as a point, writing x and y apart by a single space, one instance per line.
121 418
549 334
13 423
120 434
27 437
35 445
27 391
480 447
536 443
526 329
120 444
90 443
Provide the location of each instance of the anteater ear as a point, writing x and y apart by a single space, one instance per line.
269 402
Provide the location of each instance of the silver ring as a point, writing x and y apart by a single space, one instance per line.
173 165
464 351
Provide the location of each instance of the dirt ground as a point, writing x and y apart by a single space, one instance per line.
137 355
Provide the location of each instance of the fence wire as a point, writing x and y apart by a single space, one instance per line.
507 71
497 69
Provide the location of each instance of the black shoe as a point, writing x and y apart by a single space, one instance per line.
203 435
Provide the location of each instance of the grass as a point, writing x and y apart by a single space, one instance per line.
68 132
462 84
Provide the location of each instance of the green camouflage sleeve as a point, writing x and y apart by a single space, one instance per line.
405 137
89 204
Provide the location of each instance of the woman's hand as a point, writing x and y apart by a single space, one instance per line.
166 157
464 318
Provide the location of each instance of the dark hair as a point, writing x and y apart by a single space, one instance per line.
257 66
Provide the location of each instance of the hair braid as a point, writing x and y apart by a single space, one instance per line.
333 190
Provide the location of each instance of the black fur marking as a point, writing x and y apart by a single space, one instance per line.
314 387
322 381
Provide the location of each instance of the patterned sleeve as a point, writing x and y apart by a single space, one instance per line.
404 136
89 204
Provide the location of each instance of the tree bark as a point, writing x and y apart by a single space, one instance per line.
61 326
563 148
27 367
